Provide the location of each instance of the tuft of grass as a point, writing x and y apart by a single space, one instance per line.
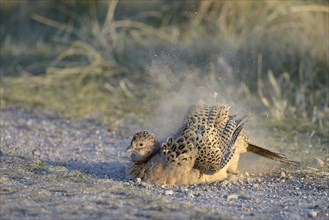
78 174
40 163
36 166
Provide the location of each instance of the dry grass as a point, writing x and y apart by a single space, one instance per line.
272 54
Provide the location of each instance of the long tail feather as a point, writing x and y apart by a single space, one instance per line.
270 154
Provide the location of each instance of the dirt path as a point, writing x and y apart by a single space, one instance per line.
56 169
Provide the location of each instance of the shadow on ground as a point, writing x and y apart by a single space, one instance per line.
98 170
101 170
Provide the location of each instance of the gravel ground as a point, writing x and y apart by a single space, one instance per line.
58 169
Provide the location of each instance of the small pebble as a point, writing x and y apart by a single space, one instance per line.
36 153
99 148
312 214
138 180
225 182
182 189
169 192
233 196
283 175
29 123
190 195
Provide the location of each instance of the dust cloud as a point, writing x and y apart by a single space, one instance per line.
177 86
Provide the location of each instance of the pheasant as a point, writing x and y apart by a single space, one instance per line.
205 148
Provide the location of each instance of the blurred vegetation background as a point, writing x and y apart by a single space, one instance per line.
114 60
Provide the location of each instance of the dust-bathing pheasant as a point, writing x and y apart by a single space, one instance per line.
204 149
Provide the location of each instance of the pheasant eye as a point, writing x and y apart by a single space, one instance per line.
140 144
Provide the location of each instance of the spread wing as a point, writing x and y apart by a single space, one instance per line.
180 151
215 135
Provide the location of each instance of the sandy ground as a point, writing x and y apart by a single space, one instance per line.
58 169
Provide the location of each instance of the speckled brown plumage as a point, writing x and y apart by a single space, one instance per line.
204 149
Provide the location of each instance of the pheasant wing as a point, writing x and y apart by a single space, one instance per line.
180 151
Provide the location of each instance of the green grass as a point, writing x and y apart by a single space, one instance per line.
123 60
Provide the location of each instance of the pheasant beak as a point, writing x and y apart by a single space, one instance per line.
129 149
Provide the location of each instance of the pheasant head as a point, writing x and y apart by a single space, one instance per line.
142 145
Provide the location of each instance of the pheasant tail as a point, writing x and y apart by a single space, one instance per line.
270 154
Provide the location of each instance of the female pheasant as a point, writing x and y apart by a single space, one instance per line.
204 149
